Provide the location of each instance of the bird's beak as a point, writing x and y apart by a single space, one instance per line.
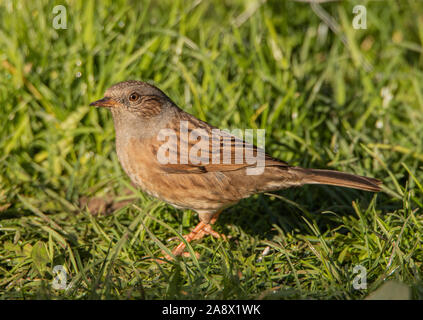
105 102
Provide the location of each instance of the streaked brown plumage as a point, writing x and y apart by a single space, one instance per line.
140 111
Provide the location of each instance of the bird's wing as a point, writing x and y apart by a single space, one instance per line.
200 148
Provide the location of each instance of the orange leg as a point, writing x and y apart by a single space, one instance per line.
198 233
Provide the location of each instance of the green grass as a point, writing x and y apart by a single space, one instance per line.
236 64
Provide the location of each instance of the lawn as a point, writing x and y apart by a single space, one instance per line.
328 95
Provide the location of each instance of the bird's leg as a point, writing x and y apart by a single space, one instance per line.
198 233
208 230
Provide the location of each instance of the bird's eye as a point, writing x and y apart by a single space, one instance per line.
134 97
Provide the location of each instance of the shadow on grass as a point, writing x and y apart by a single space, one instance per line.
256 215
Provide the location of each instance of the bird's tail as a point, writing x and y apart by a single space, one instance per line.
337 178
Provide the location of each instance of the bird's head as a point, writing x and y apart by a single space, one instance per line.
136 97
138 108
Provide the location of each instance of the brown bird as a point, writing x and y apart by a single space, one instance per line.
172 155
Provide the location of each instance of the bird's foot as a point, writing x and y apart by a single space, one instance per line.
201 230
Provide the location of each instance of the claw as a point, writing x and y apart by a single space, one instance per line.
197 233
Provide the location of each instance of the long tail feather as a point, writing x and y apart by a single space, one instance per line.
337 178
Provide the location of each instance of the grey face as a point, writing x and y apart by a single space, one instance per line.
138 108
131 94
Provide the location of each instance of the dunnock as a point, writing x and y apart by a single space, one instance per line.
142 116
